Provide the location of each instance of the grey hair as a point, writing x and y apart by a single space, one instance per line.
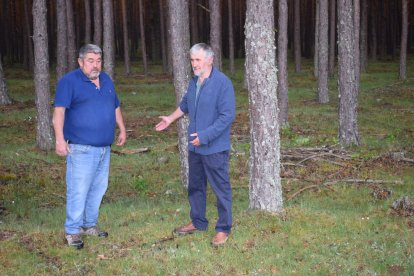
89 48
202 46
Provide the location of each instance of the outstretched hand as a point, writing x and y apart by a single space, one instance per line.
163 124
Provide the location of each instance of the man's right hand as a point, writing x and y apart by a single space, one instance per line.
62 148
165 122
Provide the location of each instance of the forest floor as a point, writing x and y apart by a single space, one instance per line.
347 211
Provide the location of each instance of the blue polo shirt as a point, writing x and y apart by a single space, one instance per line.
89 110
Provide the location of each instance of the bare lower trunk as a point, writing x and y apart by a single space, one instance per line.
265 191
215 30
282 44
108 38
323 91
404 35
4 97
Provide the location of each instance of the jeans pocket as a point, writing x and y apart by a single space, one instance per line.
78 149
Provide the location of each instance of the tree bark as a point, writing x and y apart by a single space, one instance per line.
282 50
231 38
62 39
404 35
316 44
265 190
44 134
357 24
163 38
332 38
127 62
215 31
108 38
97 25
194 23
28 39
364 36
323 90
180 45
374 22
71 46
4 96
142 35
296 37
348 89
88 24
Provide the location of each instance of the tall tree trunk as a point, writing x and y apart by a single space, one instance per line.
163 46
332 38
142 35
4 96
87 38
28 39
71 47
194 22
97 22
282 73
364 36
348 89
323 90
374 22
62 39
357 24
296 37
215 31
404 35
265 190
316 44
231 38
108 38
127 62
44 134
180 44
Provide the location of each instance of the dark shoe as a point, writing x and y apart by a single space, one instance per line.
219 239
94 231
74 240
186 229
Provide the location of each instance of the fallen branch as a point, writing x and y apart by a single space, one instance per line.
363 181
130 151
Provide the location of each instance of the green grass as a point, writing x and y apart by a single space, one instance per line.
338 229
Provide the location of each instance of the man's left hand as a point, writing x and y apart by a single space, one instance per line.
195 142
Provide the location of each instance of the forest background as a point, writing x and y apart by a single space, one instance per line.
344 208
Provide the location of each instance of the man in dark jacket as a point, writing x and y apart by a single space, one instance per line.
210 105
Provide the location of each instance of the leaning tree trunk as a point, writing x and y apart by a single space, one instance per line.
180 45
404 35
4 97
126 40
97 22
108 38
62 39
296 36
323 91
282 73
347 85
215 31
44 134
142 36
265 190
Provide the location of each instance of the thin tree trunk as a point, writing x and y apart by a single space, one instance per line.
357 24
215 31
282 44
97 25
87 4
62 39
44 134
180 44
316 44
332 38
28 35
142 35
127 62
163 46
364 36
374 22
108 38
231 38
296 37
194 21
323 90
348 89
265 190
71 46
404 35
4 96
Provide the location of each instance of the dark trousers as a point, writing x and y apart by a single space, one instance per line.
215 169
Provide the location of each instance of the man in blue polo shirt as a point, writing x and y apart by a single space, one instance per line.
210 105
86 112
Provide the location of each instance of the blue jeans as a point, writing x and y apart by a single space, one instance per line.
87 171
214 168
